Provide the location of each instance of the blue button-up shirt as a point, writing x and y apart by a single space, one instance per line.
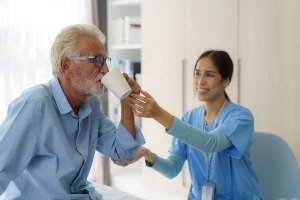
46 151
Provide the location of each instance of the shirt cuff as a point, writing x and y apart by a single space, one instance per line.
127 139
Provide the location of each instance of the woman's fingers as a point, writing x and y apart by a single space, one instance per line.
138 155
136 106
146 94
118 163
139 114
140 98
136 100
143 106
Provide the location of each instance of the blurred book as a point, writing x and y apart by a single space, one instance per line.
126 31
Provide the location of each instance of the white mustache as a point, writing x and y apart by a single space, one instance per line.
99 77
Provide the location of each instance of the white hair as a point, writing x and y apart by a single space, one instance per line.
66 40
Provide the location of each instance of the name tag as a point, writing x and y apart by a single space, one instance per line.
207 190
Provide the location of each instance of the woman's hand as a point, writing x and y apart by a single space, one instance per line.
141 152
144 106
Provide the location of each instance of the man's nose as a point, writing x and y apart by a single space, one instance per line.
104 69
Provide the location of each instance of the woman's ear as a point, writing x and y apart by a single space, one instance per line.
226 82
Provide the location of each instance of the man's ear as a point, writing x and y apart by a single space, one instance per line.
64 64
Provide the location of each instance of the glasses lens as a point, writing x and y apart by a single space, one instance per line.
99 60
108 61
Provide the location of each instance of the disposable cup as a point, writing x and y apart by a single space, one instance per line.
115 82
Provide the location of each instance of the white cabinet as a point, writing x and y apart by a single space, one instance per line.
174 34
263 40
162 57
210 24
269 46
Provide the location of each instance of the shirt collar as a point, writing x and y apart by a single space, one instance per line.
59 96
63 103
85 109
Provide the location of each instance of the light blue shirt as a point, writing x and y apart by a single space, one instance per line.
230 168
46 151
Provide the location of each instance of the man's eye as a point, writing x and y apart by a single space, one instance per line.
98 58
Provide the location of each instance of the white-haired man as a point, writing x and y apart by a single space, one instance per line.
51 132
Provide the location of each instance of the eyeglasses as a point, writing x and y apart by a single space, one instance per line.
98 60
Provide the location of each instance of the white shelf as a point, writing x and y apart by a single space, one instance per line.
126 47
126 2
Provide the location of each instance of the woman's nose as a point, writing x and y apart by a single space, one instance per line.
200 80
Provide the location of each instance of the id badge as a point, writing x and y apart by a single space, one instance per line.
207 190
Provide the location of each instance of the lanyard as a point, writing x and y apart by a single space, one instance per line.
208 156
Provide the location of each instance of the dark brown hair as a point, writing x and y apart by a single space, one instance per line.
222 61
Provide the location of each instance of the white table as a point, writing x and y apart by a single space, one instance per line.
110 193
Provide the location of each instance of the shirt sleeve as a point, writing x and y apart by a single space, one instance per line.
213 142
118 143
239 128
169 167
18 140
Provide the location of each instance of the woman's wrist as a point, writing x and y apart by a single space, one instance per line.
164 118
150 157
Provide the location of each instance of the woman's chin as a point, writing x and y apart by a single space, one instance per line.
201 97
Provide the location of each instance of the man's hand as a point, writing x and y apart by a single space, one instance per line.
133 84
127 116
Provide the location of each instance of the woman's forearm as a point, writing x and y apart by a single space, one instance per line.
169 167
164 118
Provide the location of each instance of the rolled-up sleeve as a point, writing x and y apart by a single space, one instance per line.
117 143
128 142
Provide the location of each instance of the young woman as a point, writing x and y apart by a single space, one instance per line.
214 138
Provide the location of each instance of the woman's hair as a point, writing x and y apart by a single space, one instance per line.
65 43
222 61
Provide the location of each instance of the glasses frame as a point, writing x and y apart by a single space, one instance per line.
103 59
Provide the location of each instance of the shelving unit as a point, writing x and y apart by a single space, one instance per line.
125 2
125 50
126 47
126 56
186 29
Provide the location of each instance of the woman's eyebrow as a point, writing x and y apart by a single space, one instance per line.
208 71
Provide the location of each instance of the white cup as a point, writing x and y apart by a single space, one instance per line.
115 82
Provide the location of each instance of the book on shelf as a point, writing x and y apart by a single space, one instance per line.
126 31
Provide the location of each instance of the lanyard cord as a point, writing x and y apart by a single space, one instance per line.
208 156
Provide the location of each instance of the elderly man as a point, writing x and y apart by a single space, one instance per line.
51 132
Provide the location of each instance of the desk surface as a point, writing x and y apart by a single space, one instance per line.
110 193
